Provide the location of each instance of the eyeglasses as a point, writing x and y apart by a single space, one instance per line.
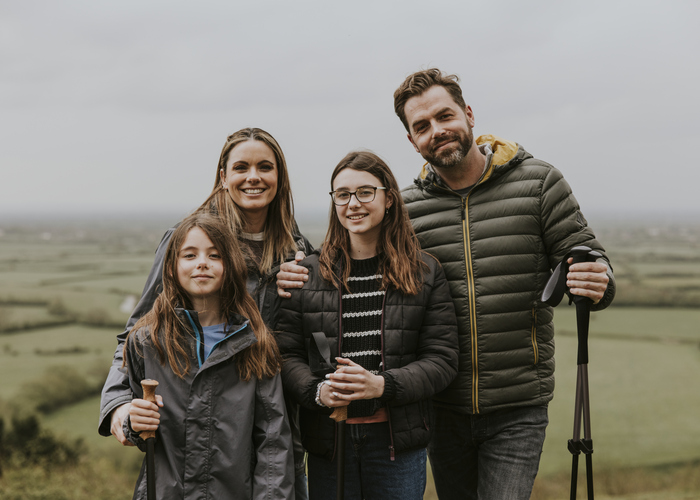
364 194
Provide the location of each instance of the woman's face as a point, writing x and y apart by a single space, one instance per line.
361 219
251 176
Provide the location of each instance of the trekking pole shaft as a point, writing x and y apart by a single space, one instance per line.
586 404
583 316
340 483
340 414
149 394
574 476
589 475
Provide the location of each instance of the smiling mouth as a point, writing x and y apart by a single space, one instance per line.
253 190
442 144
357 217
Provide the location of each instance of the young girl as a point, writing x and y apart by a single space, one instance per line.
385 312
222 431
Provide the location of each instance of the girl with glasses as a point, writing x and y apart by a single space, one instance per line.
382 310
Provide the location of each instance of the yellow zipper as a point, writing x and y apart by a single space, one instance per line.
534 335
472 305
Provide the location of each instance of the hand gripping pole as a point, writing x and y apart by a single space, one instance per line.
553 293
149 394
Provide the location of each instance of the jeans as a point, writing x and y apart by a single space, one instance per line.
370 474
300 490
494 456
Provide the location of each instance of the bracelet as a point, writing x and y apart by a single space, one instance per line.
318 395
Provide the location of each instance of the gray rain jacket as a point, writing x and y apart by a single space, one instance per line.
116 390
219 436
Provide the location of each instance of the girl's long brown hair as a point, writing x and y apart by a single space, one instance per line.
171 335
279 225
399 251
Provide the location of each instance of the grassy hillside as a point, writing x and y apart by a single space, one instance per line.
65 295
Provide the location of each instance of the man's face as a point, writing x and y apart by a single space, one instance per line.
439 129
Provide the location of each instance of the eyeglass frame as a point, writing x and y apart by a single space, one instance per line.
354 193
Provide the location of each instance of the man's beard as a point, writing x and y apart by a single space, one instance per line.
452 157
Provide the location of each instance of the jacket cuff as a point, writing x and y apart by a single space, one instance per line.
389 387
131 435
609 294
106 413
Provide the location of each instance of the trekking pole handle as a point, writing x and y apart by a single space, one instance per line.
340 414
583 254
149 394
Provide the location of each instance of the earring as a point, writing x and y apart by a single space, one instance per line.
387 211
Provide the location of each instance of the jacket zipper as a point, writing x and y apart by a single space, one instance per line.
392 454
535 349
340 353
472 303
200 339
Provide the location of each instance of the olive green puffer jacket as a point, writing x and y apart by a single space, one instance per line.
498 247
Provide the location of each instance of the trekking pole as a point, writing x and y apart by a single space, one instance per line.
582 410
552 295
340 415
149 394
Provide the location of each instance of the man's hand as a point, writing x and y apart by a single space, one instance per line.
350 382
588 279
144 414
291 275
117 421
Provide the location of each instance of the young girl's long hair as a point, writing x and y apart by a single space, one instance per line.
399 251
279 225
171 334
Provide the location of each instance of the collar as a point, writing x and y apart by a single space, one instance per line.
485 148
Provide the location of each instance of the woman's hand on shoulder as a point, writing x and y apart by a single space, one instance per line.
351 382
144 415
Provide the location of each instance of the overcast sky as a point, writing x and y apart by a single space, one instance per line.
124 106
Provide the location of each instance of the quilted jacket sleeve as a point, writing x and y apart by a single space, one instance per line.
436 361
297 377
565 227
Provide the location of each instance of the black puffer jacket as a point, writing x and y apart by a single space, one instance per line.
419 353
498 247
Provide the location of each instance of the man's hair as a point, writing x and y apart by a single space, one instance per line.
417 83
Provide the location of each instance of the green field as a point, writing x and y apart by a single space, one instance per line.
644 360
26 355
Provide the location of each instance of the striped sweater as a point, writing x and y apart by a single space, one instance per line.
362 325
